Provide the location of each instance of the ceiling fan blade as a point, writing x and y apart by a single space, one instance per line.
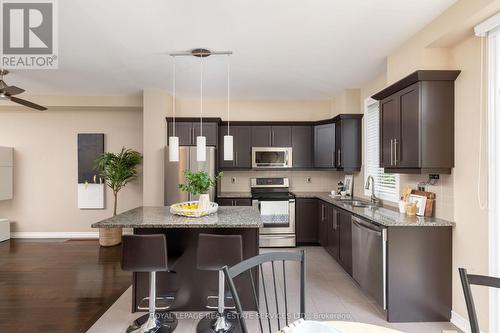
12 90
28 103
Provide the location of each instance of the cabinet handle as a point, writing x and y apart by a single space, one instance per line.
392 153
322 212
236 159
272 138
396 159
338 158
193 141
333 158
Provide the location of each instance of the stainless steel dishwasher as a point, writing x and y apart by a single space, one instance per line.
369 253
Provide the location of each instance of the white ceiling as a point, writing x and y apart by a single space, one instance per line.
293 49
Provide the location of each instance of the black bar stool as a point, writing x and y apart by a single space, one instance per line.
148 253
213 253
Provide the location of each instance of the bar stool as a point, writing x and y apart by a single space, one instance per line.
148 253
213 253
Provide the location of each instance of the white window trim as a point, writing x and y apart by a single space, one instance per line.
369 102
493 103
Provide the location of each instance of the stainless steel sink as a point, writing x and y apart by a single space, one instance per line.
357 203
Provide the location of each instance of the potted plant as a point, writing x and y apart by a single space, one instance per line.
199 183
117 170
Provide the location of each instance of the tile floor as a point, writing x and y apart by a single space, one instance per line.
330 292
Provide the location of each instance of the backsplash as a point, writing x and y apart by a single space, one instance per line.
323 181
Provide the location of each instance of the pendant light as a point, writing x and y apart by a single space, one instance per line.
173 141
228 138
201 141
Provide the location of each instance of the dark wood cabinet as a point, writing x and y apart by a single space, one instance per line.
348 142
417 123
234 201
322 224
302 146
345 240
271 136
242 148
306 217
333 232
188 131
324 146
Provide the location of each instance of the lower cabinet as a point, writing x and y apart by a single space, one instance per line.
322 224
345 240
332 231
306 218
335 233
234 201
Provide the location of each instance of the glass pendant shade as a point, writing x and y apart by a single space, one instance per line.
201 148
228 147
173 149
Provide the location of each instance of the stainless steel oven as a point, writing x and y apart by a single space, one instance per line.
271 157
277 210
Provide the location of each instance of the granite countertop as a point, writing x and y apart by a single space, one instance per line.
234 195
160 217
386 216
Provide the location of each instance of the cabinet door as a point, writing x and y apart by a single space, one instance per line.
324 145
261 136
242 202
333 232
407 146
302 146
281 136
389 129
243 144
322 231
348 144
184 131
222 163
306 218
345 241
225 202
209 131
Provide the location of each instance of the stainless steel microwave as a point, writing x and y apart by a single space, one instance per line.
271 157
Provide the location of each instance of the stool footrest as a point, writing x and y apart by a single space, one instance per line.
159 300
211 306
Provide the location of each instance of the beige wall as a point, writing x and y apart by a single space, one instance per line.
448 43
257 110
157 104
45 164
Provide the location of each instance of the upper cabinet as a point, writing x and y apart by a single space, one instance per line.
188 130
271 136
302 143
417 123
242 147
348 142
324 146
337 144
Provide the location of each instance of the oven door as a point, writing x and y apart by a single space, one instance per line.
271 157
278 216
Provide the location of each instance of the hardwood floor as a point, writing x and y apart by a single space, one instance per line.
57 285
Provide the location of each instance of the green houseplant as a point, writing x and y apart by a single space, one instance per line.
117 170
199 183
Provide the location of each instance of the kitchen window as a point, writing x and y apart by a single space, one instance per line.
386 185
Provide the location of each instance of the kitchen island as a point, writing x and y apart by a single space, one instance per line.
188 285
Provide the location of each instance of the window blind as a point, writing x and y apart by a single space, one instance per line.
386 185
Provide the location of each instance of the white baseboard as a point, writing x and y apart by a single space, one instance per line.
69 235
74 235
460 322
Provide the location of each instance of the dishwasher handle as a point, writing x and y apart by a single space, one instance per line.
367 225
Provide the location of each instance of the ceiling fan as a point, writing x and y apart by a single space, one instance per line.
8 92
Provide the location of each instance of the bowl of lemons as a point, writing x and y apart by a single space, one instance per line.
191 209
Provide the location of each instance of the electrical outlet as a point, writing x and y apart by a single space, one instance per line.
308 180
433 177
233 180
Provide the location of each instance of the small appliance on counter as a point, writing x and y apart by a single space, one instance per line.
277 209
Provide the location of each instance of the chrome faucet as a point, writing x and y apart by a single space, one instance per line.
373 198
